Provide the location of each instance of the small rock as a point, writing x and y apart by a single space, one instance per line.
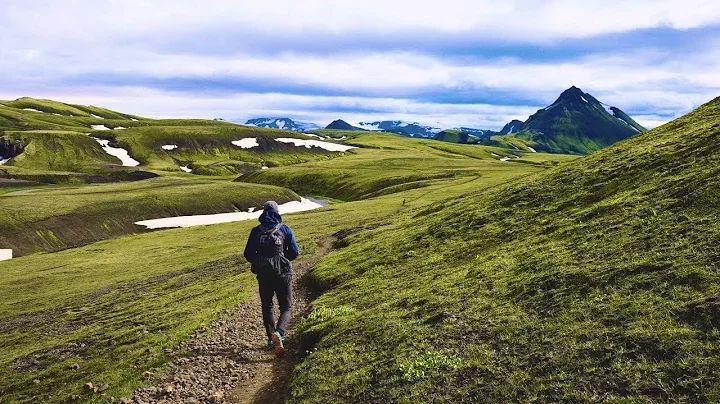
216 397
147 374
103 387
126 400
36 381
168 390
88 386
75 366
74 397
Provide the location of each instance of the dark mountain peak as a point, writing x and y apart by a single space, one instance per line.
339 124
513 126
571 94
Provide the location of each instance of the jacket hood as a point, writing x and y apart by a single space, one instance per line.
271 215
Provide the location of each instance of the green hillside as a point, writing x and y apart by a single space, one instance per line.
593 281
386 163
56 218
54 137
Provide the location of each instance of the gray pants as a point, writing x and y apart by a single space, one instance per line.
282 287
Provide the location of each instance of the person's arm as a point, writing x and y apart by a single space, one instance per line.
250 252
291 248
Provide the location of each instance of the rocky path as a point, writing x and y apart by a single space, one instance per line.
228 362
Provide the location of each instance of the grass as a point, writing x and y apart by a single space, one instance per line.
66 307
389 163
55 218
593 281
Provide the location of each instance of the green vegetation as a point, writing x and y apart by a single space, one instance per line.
388 163
458 276
593 281
78 215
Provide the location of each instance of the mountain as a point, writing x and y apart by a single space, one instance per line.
412 129
339 124
576 123
511 127
282 123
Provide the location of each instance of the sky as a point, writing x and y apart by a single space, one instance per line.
450 63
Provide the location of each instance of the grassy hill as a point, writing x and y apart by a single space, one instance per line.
55 139
386 163
593 281
56 218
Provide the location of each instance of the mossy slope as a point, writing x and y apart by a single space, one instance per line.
594 281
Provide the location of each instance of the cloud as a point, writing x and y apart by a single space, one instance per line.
657 58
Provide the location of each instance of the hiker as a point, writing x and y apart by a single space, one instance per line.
270 248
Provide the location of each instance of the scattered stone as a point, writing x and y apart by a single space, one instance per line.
217 397
36 381
88 386
75 366
147 374
103 387
168 390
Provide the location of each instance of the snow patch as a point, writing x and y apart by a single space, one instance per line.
118 152
170 147
511 129
119 127
628 124
280 124
264 167
186 169
96 116
3 161
133 119
246 143
5 254
505 159
99 127
315 143
57 114
608 109
532 150
31 109
304 204
583 98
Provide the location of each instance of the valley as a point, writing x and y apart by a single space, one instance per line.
455 271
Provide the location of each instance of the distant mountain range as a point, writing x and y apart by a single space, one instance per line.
412 129
576 123
282 123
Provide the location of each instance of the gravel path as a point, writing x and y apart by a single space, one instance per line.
228 362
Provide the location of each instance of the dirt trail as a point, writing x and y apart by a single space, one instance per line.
228 362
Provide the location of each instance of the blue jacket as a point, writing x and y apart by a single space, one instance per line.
268 220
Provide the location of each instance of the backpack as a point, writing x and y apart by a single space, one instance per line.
271 261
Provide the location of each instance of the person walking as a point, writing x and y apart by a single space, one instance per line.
269 249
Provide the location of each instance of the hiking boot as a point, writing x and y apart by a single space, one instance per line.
270 344
277 340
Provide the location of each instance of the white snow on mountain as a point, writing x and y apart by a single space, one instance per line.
118 152
246 143
315 143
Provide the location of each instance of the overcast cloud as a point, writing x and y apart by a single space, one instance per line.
452 63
